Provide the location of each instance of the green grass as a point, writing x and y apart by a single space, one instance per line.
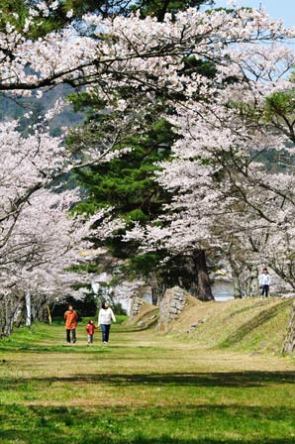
255 325
144 388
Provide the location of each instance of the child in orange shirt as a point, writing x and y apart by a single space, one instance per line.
90 328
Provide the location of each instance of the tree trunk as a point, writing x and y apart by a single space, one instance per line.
238 294
154 288
49 314
204 292
289 343
28 309
190 272
188 277
237 270
157 289
154 296
11 309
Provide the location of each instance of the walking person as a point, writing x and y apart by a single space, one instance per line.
264 282
90 328
105 318
71 323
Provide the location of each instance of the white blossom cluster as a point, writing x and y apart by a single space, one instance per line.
128 49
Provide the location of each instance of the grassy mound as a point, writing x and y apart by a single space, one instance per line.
147 317
250 325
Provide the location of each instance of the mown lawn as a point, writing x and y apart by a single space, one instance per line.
143 388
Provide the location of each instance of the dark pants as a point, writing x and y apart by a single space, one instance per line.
90 339
105 329
71 335
265 290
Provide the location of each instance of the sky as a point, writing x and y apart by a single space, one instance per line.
278 9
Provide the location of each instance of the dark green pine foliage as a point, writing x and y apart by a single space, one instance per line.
158 8
58 17
128 185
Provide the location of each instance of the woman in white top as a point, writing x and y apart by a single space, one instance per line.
105 318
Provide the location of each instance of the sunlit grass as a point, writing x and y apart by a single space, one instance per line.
143 388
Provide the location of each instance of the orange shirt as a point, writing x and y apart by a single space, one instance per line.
90 329
71 319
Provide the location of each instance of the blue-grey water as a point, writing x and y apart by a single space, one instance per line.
223 291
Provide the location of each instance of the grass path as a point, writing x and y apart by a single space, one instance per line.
144 388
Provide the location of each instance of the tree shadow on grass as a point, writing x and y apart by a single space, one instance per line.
217 379
58 348
203 424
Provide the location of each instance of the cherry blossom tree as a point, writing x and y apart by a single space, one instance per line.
214 116
244 67
45 243
224 195
39 241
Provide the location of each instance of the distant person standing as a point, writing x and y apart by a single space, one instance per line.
105 318
264 282
71 323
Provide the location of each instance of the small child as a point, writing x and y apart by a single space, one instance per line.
90 328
